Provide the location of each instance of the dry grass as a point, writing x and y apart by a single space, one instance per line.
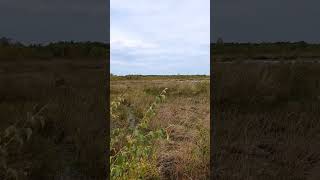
72 143
267 120
184 115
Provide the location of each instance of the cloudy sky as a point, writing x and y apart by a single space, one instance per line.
270 21
160 37
54 20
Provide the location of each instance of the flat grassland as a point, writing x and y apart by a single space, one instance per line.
183 116
267 110
52 118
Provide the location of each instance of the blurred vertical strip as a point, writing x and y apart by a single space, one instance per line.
108 91
212 94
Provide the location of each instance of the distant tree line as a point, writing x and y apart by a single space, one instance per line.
63 49
267 47
138 76
264 50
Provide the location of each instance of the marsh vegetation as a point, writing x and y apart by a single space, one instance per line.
267 114
179 123
52 116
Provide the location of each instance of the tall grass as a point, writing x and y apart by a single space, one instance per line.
71 142
132 147
266 120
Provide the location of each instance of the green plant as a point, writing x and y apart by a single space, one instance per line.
133 148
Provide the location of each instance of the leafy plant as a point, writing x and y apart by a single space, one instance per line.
133 148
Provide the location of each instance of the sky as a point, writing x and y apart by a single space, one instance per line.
160 37
148 34
41 21
269 21
237 21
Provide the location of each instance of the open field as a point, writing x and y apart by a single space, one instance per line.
267 118
181 117
56 111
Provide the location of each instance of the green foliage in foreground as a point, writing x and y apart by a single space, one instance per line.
133 148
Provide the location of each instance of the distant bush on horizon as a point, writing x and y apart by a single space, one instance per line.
16 50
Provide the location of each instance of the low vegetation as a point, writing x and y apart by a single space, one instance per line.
51 121
267 115
160 127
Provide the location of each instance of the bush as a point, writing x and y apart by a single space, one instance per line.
132 151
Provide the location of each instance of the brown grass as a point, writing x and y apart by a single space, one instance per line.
184 115
267 120
72 143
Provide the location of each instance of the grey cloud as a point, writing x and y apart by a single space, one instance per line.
48 20
272 20
42 7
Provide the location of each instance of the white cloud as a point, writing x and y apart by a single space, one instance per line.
119 40
169 34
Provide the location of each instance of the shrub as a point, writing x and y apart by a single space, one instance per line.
132 148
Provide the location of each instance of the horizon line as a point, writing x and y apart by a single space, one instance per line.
160 74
